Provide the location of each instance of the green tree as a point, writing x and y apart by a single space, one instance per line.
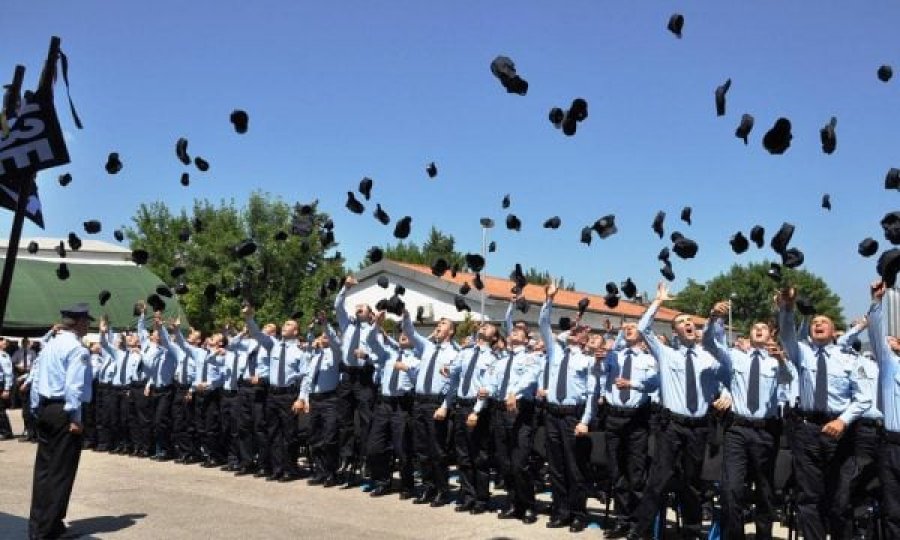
438 246
538 277
280 279
751 291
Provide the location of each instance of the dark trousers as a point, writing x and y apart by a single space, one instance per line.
28 417
390 438
324 426
55 466
568 460
89 416
626 448
818 460
101 401
209 424
513 440
5 427
889 473
356 396
473 456
231 416
140 418
749 457
857 472
282 425
115 410
161 407
184 425
252 430
430 440
680 450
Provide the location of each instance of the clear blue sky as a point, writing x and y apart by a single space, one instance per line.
341 90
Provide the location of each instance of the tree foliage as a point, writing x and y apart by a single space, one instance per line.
280 279
751 291
438 246
538 277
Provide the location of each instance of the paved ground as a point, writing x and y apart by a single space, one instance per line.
123 497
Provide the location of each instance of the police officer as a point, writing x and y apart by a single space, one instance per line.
145 399
6 386
571 383
161 390
753 429
208 384
430 433
116 406
833 395
58 390
90 411
252 431
105 376
886 349
390 437
628 378
286 363
689 380
318 398
184 429
467 397
513 384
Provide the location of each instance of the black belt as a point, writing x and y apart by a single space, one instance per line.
279 390
179 386
319 396
137 384
434 399
625 412
229 393
354 370
870 423
565 410
42 401
892 437
758 423
397 400
465 402
815 417
247 384
687 421
164 388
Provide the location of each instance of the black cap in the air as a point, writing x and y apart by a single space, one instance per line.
375 254
381 215
162 290
118 235
245 249
892 179
828 136
513 223
739 243
667 272
664 254
402 228
522 304
606 226
553 223
439 267
792 258
240 120
505 70
744 128
492 247
65 179
113 163
104 297
181 151
383 282
157 303
365 187
758 235
460 303
583 305
611 301
140 256
826 201
74 242
62 271
505 202
354 205
281 236
721 90
782 238
477 283
201 164
475 262
685 248
885 73
658 221
432 170
686 214
92 226
565 323
778 139
33 247
629 289
805 306
891 225
586 235
399 289
774 271
465 288
676 24
888 266
181 288
61 249
868 247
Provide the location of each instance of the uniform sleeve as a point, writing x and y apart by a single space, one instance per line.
76 363
714 342
264 341
862 388
409 329
340 309
645 327
787 334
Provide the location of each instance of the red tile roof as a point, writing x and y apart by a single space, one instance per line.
499 288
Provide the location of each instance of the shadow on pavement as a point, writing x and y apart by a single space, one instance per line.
102 524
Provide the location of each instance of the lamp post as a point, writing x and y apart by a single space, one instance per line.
486 223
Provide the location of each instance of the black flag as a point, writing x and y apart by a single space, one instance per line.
9 196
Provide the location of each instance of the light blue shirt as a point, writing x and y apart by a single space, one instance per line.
183 365
388 353
124 361
433 355
846 397
644 377
736 365
65 372
159 362
348 327
295 358
581 376
672 364
6 372
888 367
524 370
325 362
211 369
459 367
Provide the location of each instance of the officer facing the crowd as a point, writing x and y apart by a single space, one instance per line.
61 386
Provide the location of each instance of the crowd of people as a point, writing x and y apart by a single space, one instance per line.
356 404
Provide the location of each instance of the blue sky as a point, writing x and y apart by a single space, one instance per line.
341 90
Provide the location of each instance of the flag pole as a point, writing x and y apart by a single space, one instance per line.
12 250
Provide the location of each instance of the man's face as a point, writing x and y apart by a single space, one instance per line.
685 329
821 329
443 330
132 341
3 344
363 312
518 337
95 348
405 342
579 336
894 344
216 341
487 333
270 329
154 337
290 329
631 333
760 334
195 338
595 343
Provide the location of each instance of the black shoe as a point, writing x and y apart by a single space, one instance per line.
441 498
330 481
557 523
425 497
210 464
529 516
272 477
180 459
188 460
380 491
243 471
317 480
288 477
577 525
510 513
406 494
621 530
142 454
262 473
465 507
478 508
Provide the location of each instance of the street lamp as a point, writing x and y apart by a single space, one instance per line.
486 223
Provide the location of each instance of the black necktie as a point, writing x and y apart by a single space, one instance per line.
820 398
625 393
879 396
753 383
315 373
546 373
690 379
467 380
184 367
281 359
252 361
506 374
354 344
234 373
429 371
124 368
394 384
561 377
205 372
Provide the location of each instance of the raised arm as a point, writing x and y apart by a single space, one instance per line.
544 317
508 318
877 333
787 332
76 362
645 324
850 336
143 335
340 309
105 337
714 336
419 341
264 341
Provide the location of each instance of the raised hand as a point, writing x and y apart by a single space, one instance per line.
662 292
878 290
551 288
720 309
350 281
